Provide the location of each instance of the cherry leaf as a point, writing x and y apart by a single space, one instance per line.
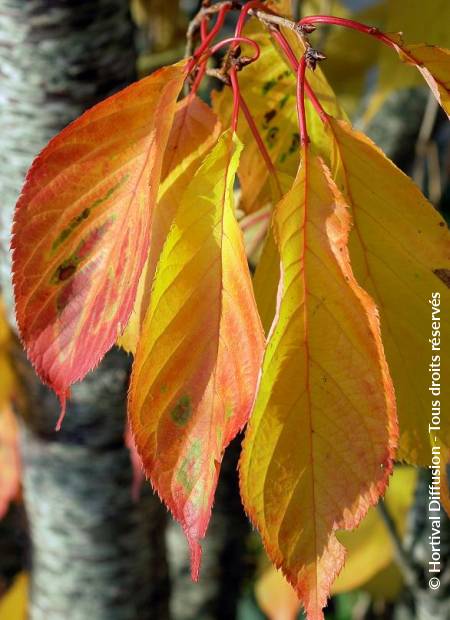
82 228
198 357
321 439
433 62
400 251
194 131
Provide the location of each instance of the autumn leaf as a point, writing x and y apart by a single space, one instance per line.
434 64
266 281
14 604
82 228
194 131
422 21
369 552
282 7
400 251
7 379
254 228
320 442
9 443
275 596
197 361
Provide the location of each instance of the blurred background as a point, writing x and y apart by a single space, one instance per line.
80 537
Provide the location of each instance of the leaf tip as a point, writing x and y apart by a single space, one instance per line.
196 557
63 396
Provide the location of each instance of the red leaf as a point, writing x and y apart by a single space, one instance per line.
82 227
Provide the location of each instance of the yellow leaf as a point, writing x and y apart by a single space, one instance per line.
434 64
282 7
198 358
14 604
320 441
267 274
276 597
400 250
194 131
385 586
6 370
9 459
369 547
266 280
422 21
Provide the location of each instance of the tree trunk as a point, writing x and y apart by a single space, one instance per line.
96 553
93 548
226 561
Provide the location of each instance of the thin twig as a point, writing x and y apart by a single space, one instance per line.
284 44
404 560
277 20
423 139
303 128
195 23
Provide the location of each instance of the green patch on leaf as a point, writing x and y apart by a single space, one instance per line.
182 411
76 221
271 136
284 101
268 86
189 469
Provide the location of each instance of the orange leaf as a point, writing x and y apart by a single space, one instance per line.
82 228
320 442
194 131
197 361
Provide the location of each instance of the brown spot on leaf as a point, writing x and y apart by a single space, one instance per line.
64 273
444 275
268 116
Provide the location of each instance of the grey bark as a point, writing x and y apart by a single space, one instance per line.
96 552
13 546
226 561
93 549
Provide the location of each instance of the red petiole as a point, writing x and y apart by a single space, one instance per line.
235 40
347 23
204 28
210 37
301 69
283 43
253 4
354 25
